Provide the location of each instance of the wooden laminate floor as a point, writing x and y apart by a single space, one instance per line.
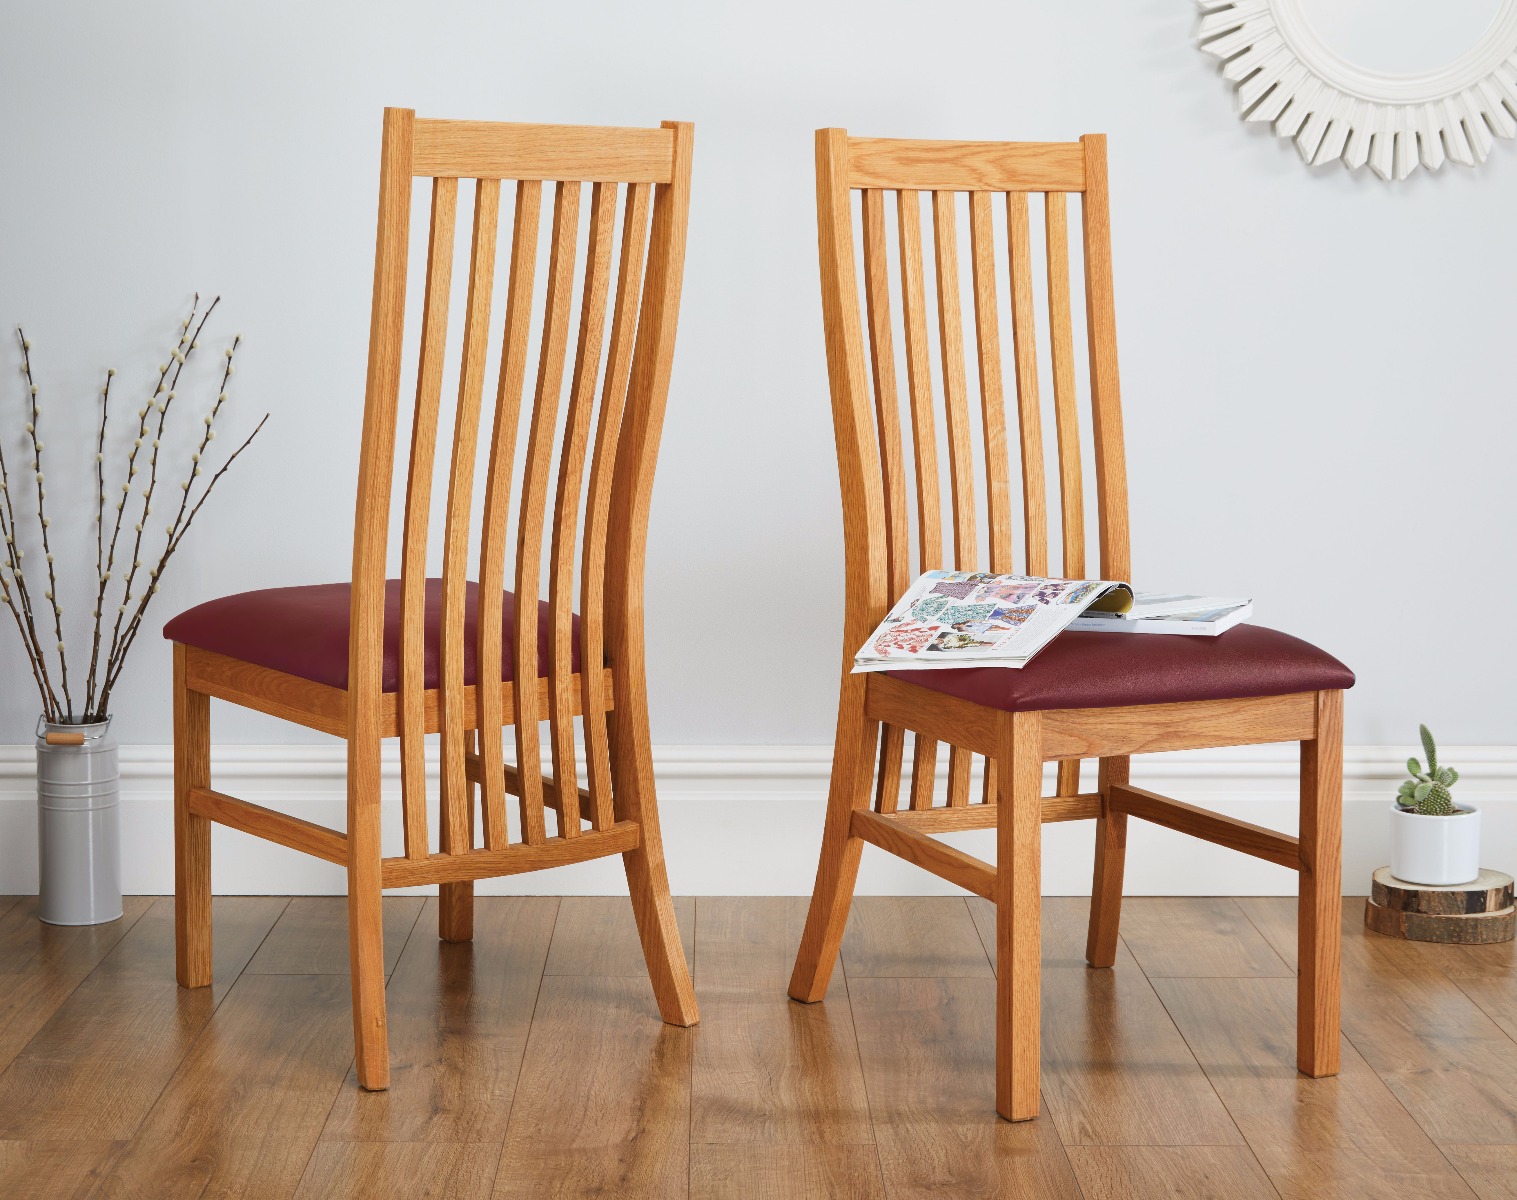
532 1063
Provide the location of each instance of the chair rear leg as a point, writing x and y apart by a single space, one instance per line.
1320 905
455 901
647 877
192 834
837 869
1111 860
1018 896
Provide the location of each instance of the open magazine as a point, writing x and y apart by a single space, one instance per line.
969 619
1169 612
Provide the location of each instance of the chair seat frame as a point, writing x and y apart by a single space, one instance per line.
875 710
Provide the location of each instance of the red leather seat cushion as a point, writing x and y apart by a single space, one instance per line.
303 631
1111 670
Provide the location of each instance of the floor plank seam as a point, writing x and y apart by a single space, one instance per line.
526 1041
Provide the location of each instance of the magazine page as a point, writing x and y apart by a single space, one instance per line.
971 619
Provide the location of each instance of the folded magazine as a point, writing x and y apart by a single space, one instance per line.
970 619
1169 612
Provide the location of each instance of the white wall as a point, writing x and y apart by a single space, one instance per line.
1316 366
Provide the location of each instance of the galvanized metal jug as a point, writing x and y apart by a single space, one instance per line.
78 824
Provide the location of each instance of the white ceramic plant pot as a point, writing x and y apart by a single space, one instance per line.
1435 850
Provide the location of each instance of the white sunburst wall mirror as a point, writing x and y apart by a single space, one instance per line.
1388 83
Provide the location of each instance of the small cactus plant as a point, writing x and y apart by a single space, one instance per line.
1427 792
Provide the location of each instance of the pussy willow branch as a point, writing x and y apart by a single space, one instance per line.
187 345
105 412
131 463
42 520
177 533
105 668
23 611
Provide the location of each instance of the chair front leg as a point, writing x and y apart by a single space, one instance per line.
837 869
192 834
366 950
1111 860
1018 896
1319 910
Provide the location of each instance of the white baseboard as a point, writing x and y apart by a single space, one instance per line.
747 820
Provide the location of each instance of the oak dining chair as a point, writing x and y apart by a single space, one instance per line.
381 657
1087 695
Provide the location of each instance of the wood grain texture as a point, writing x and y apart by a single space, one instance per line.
311 936
1319 913
766 1070
965 166
505 150
1491 1171
285 1040
1467 928
1029 407
1490 892
49 1169
317 840
1317 1139
1212 827
1151 728
927 1047
192 831
418 511
597 935
1017 894
925 851
602 1105
97 1066
1198 937
805 1172
1163 1172
1150 1090
1066 415
913 937
398 1171
459 1015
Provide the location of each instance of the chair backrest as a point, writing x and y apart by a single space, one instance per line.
877 483
609 422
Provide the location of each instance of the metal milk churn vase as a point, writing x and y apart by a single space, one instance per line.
78 824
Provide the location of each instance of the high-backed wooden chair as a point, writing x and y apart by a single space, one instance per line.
1101 696
411 656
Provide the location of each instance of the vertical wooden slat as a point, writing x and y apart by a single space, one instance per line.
453 716
924 442
1106 399
892 459
992 396
956 402
1029 413
598 504
1066 416
571 467
955 391
492 553
531 519
413 570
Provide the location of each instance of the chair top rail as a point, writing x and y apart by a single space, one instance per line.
953 166
508 150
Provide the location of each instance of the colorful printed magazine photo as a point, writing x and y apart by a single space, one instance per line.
970 619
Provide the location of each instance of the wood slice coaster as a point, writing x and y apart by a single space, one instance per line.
1469 929
1489 893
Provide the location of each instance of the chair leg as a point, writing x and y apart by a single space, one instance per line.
647 877
1111 859
1018 896
366 952
192 834
1320 906
455 901
837 870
